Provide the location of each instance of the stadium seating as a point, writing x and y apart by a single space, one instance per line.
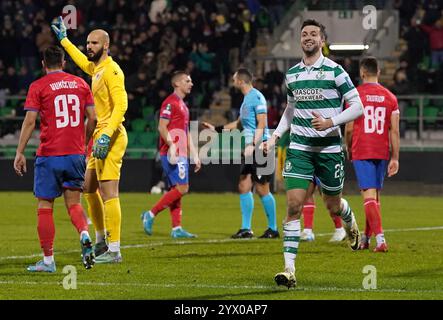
139 125
411 116
6 111
148 112
430 114
142 144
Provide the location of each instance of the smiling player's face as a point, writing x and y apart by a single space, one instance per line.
311 40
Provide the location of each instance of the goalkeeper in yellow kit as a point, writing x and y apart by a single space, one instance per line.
110 139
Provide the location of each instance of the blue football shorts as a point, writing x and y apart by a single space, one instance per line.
176 173
370 173
52 174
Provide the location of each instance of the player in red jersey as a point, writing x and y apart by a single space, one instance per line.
368 139
175 145
62 100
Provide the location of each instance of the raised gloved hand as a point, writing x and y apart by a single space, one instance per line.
100 148
59 28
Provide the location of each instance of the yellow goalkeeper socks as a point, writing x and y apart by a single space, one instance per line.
96 212
113 218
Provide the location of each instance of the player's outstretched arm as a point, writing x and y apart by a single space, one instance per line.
59 28
232 125
207 125
25 134
229 126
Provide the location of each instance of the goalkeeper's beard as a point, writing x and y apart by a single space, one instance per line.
96 56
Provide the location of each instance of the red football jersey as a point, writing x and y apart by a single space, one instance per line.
370 138
175 110
61 99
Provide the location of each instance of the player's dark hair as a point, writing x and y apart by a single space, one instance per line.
53 56
245 75
176 74
313 22
370 65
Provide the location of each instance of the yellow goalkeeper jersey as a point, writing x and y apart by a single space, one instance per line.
108 88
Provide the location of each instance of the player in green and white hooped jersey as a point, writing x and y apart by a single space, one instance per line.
317 88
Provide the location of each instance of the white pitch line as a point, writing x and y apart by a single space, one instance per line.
208 241
394 230
144 245
215 286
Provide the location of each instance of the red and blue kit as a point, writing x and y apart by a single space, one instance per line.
61 100
370 138
175 110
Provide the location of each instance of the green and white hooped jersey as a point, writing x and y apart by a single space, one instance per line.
322 88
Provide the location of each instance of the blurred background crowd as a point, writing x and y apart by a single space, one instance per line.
209 39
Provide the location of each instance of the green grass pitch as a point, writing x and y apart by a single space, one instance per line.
216 267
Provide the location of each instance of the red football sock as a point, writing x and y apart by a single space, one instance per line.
373 215
176 213
166 201
368 231
336 219
379 229
78 217
46 230
379 212
308 215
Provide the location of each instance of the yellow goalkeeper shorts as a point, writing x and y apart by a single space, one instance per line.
109 168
